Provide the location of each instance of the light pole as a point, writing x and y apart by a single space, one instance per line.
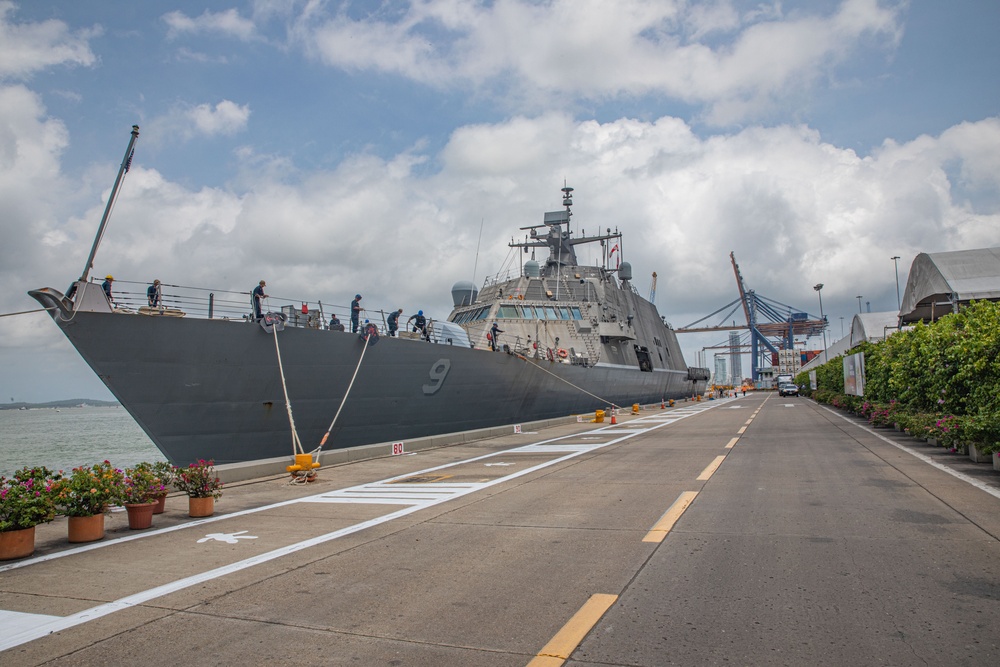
819 290
895 263
858 297
841 326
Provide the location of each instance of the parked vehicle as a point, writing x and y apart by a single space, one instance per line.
788 389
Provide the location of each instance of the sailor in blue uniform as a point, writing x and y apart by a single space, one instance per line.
419 322
495 330
257 297
106 286
394 321
153 294
355 313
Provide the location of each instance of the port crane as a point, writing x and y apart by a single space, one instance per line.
772 325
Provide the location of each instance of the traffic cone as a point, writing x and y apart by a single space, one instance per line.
613 420
662 405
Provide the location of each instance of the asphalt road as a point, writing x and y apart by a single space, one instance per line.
755 531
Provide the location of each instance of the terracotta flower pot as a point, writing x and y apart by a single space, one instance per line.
140 515
86 528
17 543
201 507
161 503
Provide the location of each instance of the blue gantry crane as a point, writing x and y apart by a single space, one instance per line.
772 325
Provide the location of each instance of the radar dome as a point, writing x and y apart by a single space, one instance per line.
531 269
464 293
625 271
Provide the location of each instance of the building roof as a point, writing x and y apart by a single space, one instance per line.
939 281
837 348
872 326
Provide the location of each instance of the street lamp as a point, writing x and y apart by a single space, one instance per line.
895 263
858 297
819 290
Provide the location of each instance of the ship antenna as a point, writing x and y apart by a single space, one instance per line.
475 265
126 163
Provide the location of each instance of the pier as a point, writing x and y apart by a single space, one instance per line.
755 530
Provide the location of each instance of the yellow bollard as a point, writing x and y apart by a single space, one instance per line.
302 462
599 416
635 408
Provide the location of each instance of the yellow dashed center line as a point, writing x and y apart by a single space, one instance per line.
569 637
712 467
732 442
669 518
743 429
749 421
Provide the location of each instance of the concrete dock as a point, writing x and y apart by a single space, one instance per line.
757 530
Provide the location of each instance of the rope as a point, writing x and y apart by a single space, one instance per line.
296 443
326 435
25 312
544 370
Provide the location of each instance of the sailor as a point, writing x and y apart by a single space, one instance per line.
355 313
419 322
495 330
369 331
257 297
394 321
335 324
106 286
153 294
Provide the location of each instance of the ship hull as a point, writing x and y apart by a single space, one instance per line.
212 389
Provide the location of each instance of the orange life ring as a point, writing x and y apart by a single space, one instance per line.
520 297
562 353
548 353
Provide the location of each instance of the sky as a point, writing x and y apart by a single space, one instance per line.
394 148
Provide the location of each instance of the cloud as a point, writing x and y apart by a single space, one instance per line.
595 50
26 48
186 122
228 23
796 210
225 118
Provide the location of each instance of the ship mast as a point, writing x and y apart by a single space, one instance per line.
126 163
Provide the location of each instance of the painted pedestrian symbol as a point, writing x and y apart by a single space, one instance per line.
228 538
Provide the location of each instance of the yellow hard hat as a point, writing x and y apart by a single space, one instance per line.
109 277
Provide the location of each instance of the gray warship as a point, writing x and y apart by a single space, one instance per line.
206 380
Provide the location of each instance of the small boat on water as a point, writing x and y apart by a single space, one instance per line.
209 381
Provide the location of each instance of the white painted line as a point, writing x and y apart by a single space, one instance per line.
17 621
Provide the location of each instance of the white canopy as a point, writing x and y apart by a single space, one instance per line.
873 326
940 281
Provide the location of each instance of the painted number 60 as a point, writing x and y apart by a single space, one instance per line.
439 371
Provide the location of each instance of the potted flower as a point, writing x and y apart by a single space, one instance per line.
139 490
84 496
163 474
202 486
25 501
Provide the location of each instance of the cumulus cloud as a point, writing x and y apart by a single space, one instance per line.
26 48
228 23
795 209
186 122
596 50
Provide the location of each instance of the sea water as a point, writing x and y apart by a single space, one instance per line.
65 438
